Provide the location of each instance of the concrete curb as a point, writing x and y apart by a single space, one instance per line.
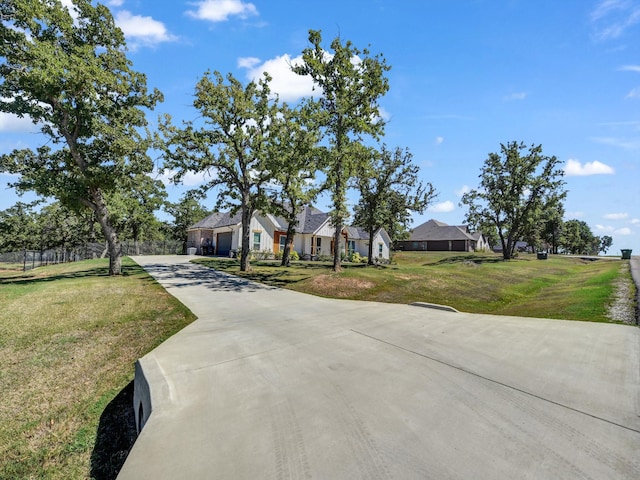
445 308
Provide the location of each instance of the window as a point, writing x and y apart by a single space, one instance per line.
317 247
351 246
256 240
283 241
380 250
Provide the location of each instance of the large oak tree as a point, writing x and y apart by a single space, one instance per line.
230 143
350 83
71 76
389 191
516 185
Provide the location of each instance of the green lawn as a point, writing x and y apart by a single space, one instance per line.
560 287
69 337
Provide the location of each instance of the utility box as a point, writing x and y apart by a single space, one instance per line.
626 254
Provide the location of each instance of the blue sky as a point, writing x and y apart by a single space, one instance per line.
466 76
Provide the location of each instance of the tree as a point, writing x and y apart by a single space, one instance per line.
133 210
62 228
70 75
389 190
514 190
293 159
577 239
350 83
19 228
605 243
232 145
552 225
185 213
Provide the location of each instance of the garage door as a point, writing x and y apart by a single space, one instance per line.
223 244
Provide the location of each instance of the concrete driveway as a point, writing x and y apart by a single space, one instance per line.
269 383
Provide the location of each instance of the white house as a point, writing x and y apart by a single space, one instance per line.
220 234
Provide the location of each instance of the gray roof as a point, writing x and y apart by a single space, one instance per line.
433 230
310 219
357 233
217 219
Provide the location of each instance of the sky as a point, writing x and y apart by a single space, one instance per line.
466 76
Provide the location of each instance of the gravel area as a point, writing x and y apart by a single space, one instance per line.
623 308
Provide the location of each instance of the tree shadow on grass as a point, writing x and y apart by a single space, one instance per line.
466 258
115 436
28 278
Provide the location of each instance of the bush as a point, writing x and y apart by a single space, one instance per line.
293 256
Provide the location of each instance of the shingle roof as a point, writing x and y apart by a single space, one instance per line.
217 219
310 219
434 230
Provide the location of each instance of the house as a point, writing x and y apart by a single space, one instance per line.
436 236
220 234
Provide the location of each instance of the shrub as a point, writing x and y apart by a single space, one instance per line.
293 255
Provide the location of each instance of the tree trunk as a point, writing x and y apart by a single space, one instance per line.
337 267
370 259
286 255
110 235
245 263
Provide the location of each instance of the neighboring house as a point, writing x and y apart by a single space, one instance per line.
435 236
220 234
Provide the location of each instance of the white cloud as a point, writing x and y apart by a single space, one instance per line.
115 3
221 10
616 142
630 68
439 140
142 30
575 168
443 207
608 229
569 215
12 123
616 216
191 179
635 93
248 62
516 96
611 18
288 85
635 221
464 189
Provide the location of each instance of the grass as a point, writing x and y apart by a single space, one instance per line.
560 287
69 337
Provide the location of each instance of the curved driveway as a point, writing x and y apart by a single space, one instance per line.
270 383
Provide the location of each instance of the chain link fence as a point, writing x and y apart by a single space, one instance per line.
29 259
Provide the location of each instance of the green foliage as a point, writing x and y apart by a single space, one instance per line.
578 239
605 243
19 228
350 82
185 213
514 192
71 76
233 142
389 191
294 255
293 161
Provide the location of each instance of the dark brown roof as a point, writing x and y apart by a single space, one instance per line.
434 230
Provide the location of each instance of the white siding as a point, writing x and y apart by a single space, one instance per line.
326 230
